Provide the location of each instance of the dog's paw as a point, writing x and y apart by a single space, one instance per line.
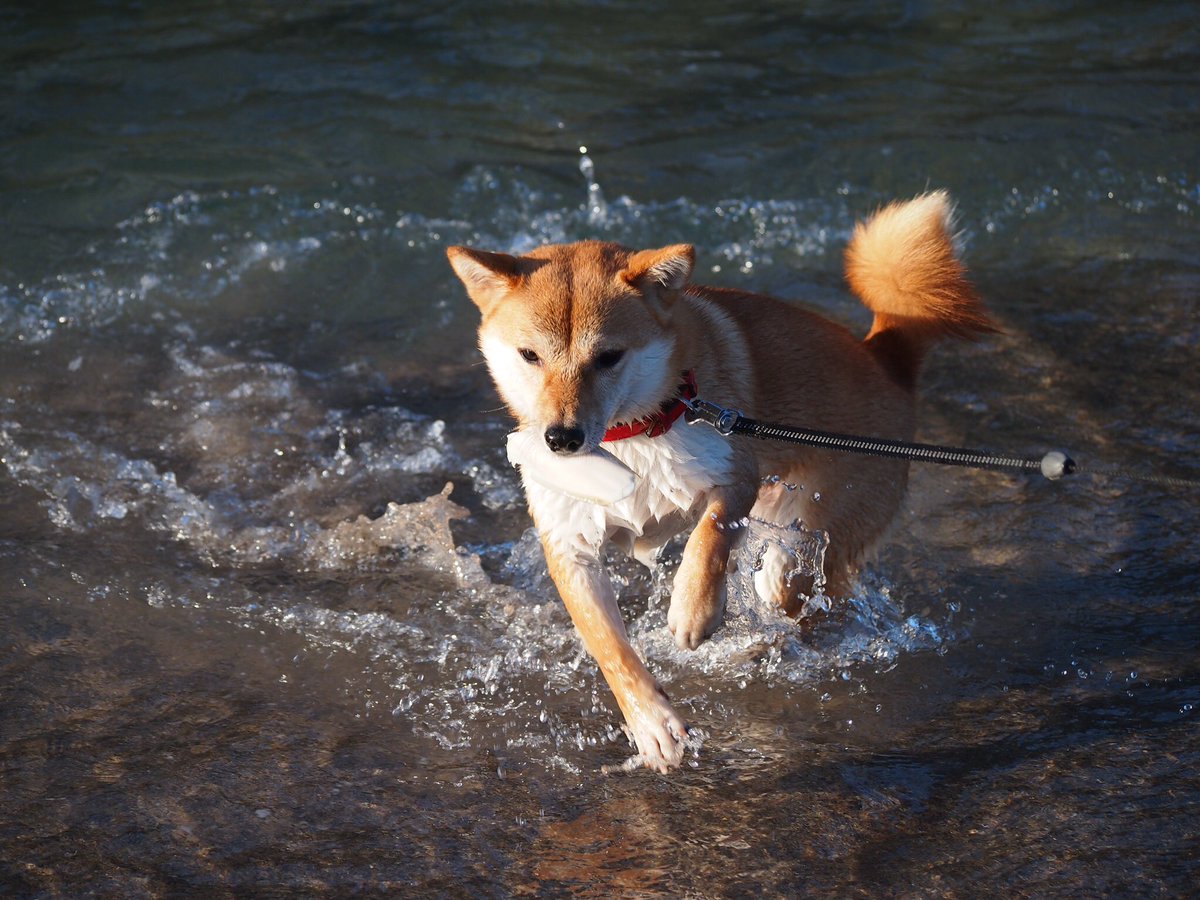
659 735
690 628
695 614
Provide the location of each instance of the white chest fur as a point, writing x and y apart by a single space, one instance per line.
674 472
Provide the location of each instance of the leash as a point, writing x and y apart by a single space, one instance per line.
1052 465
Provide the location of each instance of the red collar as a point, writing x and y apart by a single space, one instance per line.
661 421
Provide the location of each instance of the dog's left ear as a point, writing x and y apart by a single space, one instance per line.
487 276
661 273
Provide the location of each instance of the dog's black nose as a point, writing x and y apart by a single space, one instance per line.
561 439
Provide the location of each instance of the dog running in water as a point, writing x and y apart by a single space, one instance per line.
591 345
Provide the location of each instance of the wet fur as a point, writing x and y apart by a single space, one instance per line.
569 304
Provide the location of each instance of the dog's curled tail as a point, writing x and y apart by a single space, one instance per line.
902 264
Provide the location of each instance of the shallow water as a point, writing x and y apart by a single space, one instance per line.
251 640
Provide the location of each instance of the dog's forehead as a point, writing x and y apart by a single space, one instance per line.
587 271
575 293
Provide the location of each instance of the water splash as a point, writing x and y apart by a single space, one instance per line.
265 466
255 475
692 743
803 550
732 232
596 205
475 657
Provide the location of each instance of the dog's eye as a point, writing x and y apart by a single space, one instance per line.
608 359
529 356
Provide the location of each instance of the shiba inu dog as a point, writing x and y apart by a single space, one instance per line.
592 345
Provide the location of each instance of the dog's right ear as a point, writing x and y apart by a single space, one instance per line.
487 276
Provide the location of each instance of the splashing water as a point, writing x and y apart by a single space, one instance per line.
253 472
692 742
493 659
246 637
597 207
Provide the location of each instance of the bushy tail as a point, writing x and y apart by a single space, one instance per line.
902 265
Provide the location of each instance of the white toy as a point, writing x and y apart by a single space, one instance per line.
597 477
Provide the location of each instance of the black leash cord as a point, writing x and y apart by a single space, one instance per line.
1052 465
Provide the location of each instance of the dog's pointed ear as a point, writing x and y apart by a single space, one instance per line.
661 273
487 276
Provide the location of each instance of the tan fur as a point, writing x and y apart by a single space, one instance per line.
567 304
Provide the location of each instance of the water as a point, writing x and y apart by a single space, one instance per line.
250 640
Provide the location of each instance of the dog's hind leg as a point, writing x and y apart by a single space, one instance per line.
790 557
774 578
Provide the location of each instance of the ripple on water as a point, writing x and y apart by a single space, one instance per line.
181 257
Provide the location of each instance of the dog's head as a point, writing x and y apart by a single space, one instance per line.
578 336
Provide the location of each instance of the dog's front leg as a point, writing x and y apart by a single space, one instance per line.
587 592
698 592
